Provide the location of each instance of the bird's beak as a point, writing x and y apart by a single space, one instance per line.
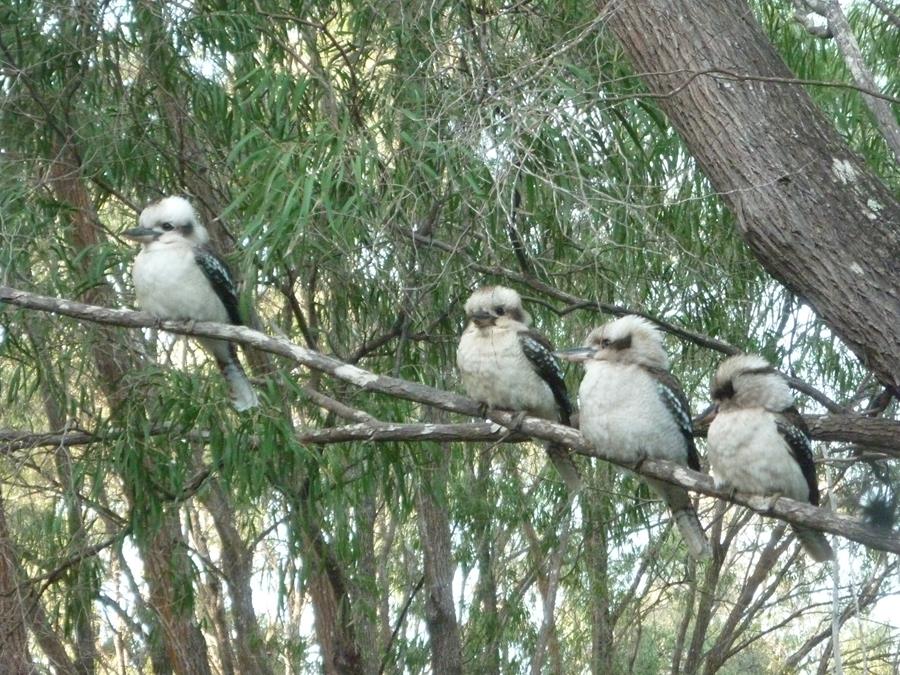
142 234
483 319
702 421
577 354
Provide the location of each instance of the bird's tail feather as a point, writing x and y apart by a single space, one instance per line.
561 457
692 533
243 395
814 543
682 508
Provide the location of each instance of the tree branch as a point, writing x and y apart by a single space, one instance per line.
743 77
846 42
574 303
889 14
778 507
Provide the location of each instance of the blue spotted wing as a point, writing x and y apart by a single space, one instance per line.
219 276
673 397
794 431
539 352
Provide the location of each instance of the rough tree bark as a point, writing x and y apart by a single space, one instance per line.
434 530
237 568
484 529
810 209
14 656
327 584
596 550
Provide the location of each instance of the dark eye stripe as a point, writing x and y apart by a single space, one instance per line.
619 345
622 343
766 370
723 391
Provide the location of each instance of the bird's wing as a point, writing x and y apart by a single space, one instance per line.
219 277
539 352
795 433
672 395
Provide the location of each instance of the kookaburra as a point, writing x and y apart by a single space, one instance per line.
759 443
177 276
632 408
503 363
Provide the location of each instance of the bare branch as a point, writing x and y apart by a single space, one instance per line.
747 77
846 42
778 507
574 303
885 9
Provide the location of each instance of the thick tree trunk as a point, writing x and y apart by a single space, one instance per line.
809 208
328 589
364 593
485 530
434 530
596 544
237 568
210 597
168 575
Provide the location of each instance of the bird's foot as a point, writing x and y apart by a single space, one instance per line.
721 484
516 424
639 461
771 499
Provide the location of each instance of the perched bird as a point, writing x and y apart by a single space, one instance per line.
759 443
505 364
177 276
633 408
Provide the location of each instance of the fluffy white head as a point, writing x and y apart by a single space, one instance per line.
630 339
167 219
491 305
749 381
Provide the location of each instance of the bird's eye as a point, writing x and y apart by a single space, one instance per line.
167 226
724 391
605 342
499 310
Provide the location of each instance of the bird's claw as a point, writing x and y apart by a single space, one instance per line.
720 484
516 424
639 462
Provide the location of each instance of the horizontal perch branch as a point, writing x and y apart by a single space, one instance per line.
780 507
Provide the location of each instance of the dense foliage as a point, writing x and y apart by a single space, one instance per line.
365 166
